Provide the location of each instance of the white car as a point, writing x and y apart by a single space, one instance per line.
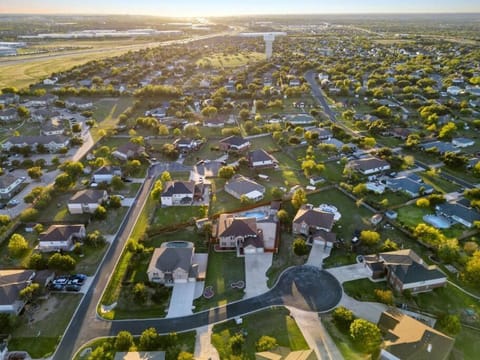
13 202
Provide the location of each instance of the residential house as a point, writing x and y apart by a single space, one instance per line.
234 143
459 213
181 193
462 142
9 186
321 133
408 338
315 180
170 264
78 104
239 186
61 237
11 283
440 146
369 166
45 100
405 270
261 159
50 81
8 115
53 127
86 201
157 113
205 169
185 145
216 122
40 115
7 99
106 173
300 119
308 221
325 239
52 143
409 186
128 151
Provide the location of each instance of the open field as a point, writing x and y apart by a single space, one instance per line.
220 61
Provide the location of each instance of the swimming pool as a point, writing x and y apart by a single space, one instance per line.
439 222
255 214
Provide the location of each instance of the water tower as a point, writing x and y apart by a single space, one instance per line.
269 39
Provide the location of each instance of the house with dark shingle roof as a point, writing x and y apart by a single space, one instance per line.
86 201
309 220
106 173
405 270
239 185
234 143
369 166
409 186
407 338
261 159
51 142
61 237
170 265
9 186
181 193
458 213
128 151
8 115
11 283
440 146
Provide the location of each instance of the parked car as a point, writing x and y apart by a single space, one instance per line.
73 287
13 202
56 287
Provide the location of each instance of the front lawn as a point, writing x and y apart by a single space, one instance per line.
274 322
363 289
343 341
223 269
169 216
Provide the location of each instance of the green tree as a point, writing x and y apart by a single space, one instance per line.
123 341
72 168
299 198
37 262
117 183
149 340
115 202
98 354
343 318
369 237
384 296
140 293
28 293
449 324
17 245
61 262
29 214
236 343
185 356
95 239
300 247
266 343
165 177
35 172
423 203
226 172
100 213
63 181
366 335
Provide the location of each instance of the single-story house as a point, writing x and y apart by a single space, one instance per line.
9 186
206 169
181 193
300 119
157 113
40 115
309 220
106 173
11 283
458 213
261 159
408 338
79 103
53 127
7 99
369 166
52 143
8 115
185 145
462 142
239 185
315 180
409 186
234 143
440 146
61 237
170 265
324 238
86 201
321 133
128 151
216 122
45 100
405 270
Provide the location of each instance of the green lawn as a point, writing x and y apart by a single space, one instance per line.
467 345
393 198
186 234
274 322
106 114
343 341
89 259
110 225
51 318
411 215
169 216
221 61
363 289
223 269
439 184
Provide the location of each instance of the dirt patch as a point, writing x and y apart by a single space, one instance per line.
44 309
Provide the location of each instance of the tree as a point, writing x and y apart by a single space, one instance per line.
299 198
35 172
384 296
117 183
423 203
5 220
277 193
140 293
133 166
244 114
300 247
472 269
100 213
149 340
449 324
115 202
366 335
98 354
157 190
343 318
37 262
165 177
63 181
61 262
17 245
236 342
266 343
95 239
226 172
185 356
29 214
389 245
23 112
29 292
123 341
72 168
369 237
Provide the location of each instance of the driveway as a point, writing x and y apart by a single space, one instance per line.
317 254
256 266
349 272
370 311
181 300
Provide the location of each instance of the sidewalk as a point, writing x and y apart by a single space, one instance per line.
204 350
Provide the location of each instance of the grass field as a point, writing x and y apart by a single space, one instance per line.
221 61
343 341
275 322
106 114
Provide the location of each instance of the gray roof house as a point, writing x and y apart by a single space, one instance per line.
409 186
440 146
86 201
128 151
239 185
9 185
52 143
369 166
459 213
462 142
181 193
11 283
78 103
170 265
309 220
106 173
261 159
8 115
61 237
234 143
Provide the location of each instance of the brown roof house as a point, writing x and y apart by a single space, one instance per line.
239 185
261 159
283 353
234 143
61 237
309 221
11 283
241 233
172 264
405 270
128 151
407 338
86 201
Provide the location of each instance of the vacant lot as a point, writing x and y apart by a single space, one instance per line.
221 61
106 114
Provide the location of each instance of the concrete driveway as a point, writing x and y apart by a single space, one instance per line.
256 266
317 254
349 272
181 300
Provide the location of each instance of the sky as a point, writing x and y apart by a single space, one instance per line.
188 8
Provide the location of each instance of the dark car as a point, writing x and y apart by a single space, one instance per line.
73 287
56 287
